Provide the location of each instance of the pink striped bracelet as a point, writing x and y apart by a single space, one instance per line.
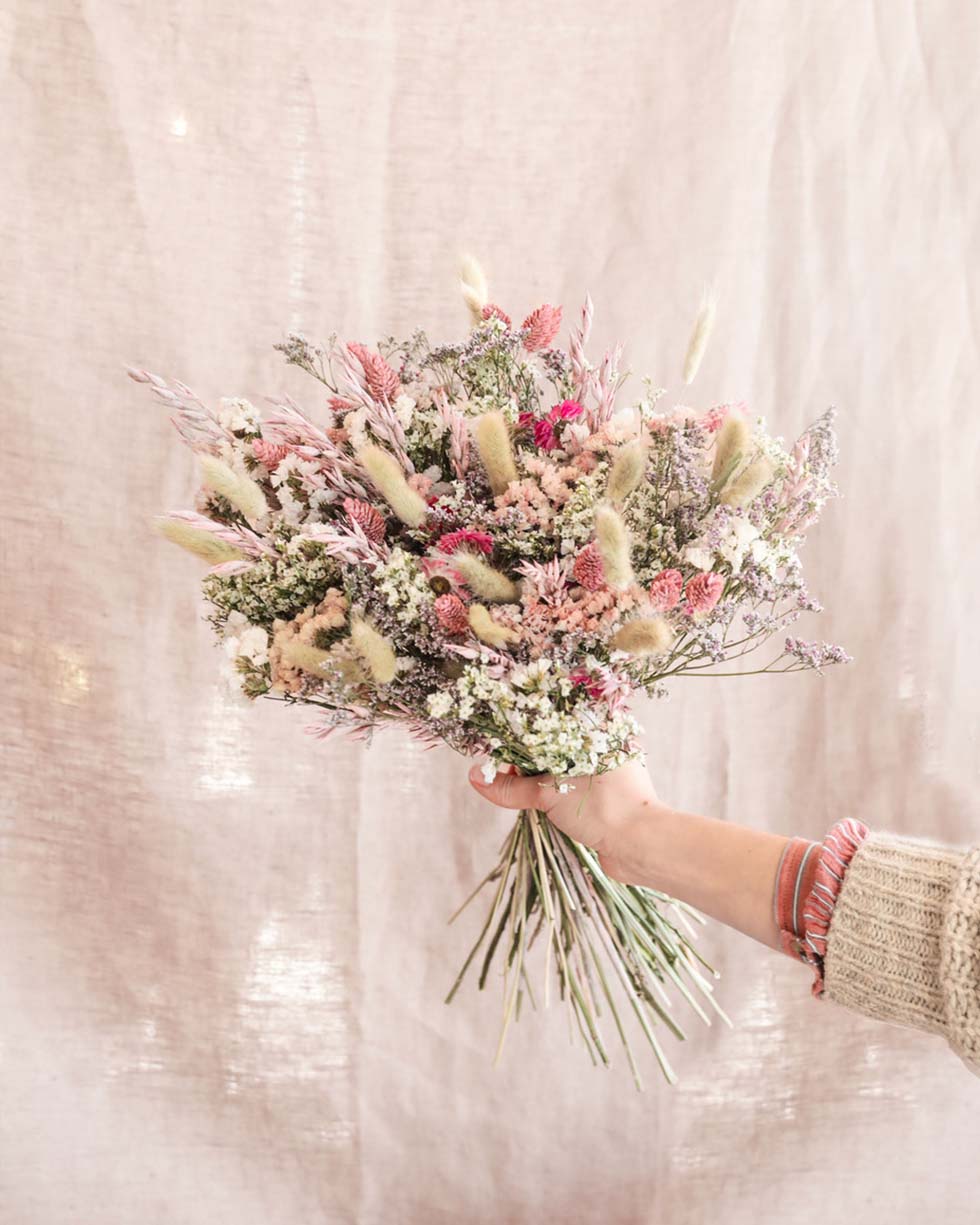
808 880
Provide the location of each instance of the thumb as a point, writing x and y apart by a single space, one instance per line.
509 790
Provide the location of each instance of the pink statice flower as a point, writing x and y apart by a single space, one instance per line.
451 542
566 410
665 590
704 592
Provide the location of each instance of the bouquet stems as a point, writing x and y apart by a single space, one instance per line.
610 946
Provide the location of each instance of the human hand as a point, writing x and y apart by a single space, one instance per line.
602 811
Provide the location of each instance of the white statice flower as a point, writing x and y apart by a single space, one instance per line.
575 521
439 703
404 407
321 499
294 468
489 771
402 583
242 639
735 542
699 557
579 431
355 423
238 414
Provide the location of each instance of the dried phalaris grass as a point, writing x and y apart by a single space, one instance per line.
473 283
374 649
205 545
488 630
701 335
493 443
488 583
613 539
643 636
240 490
389 479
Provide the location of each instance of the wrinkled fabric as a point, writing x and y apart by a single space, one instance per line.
224 947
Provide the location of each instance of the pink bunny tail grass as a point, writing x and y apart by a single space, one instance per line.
451 613
492 311
588 570
367 517
542 327
704 592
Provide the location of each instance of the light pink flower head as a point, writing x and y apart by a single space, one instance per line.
665 590
542 327
367 517
269 453
450 542
492 311
451 613
420 483
704 592
382 382
587 570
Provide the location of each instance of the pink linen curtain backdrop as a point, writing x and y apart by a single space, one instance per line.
224 950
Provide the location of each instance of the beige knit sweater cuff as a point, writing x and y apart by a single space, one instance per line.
904 940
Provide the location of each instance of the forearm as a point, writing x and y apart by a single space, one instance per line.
725 870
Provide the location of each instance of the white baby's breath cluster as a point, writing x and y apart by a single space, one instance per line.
404 588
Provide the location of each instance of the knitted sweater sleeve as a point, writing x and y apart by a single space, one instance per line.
904 939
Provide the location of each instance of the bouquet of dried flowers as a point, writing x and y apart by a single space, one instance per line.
473 541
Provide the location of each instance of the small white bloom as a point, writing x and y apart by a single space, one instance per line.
404 407
489 771
236 414
439 703
699 558
736 542
355 423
